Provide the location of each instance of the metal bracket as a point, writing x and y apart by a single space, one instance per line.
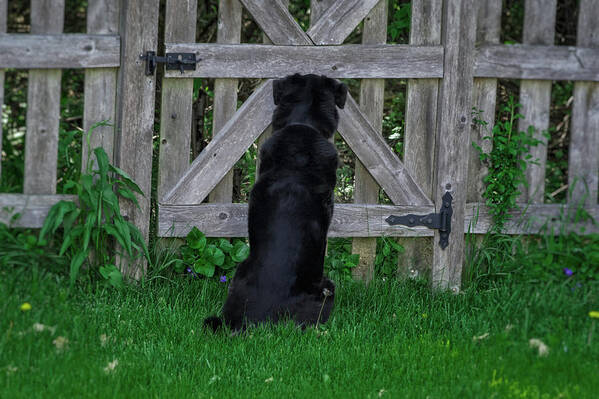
180 61
440 221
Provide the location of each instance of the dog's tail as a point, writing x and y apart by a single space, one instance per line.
213 322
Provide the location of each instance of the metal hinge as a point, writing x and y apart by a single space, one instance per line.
440 221
180 61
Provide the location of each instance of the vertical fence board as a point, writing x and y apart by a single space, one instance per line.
372 99
176 103
43 107
421 125
453 134
535 95
3 12
225 90
583 158
100 84
135 112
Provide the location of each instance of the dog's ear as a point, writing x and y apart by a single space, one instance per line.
340 94
277 90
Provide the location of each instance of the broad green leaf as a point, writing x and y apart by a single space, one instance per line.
225 245
76 263
204 267
127 179
196 239
113 275
240 251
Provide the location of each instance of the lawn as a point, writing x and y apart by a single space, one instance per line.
390 339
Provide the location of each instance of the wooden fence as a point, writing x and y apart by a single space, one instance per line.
452 64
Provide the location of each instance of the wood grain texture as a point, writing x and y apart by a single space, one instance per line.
225 90
346 61
43 107
535 95
176 102
542 62
372 99
583 158
135 111
374 153
421 125
225 149
367 220
24 51
28 211
453 134
276 22
339 20
488 28
3 14
100 84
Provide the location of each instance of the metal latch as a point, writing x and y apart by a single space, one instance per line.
180 61
440 221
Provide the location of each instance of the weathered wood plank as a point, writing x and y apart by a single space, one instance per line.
43 107
374 153
100 84
276 22
225 90
176 102
339 20
348 61
3 14
225 149
363 220
453 134
421 125
535 95
135 111
485 96
372 99
583 158
535 61
30 211
24 51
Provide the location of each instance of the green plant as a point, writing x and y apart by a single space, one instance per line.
400 16
202 255
339 261
507 162
387 251
86 228
394 123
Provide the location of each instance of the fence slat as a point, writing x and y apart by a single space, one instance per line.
43 107
453 133
355 220
3 14
135 111
339 20
535 95
176 103
419 139
346 61
277 23
30 209
372 99
100 84
225 90
583 158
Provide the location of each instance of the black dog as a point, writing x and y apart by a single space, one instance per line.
290 210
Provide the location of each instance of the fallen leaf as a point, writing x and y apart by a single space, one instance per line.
480 337
540 345
111 366
381 392
270 379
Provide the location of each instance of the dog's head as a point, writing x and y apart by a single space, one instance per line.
310 100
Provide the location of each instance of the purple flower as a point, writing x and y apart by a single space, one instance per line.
223 279
190 271
568 272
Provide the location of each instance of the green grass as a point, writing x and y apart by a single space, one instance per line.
391 338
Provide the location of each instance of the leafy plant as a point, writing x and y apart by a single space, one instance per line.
387 251
399 22
203 255
339 261
86 228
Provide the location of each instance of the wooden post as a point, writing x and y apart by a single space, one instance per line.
535 95
100 83
421 125
43 107
135 111
3 12
453 134
225 90
583 158
372 99
176 103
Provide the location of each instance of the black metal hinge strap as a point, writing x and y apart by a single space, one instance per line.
180 61
440 221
